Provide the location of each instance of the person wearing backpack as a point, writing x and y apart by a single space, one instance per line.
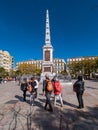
57 91
32 90
47 90
78 87
23 86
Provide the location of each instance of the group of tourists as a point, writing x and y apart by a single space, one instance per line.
47 91
50 87
31 86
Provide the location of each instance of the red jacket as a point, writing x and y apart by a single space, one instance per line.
57 87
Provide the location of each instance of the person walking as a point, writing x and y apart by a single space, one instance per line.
78 87
47 92
20 80
24 85
57 91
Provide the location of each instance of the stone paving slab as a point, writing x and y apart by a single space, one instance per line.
17 115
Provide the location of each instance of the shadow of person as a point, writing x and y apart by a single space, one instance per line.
38 104
20 98
69 104
41 94
27 95
42 100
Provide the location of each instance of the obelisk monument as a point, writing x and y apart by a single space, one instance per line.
47 64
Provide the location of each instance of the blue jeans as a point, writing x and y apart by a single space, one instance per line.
80 99
48 101
32 98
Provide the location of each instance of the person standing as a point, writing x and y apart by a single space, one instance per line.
24 85
47 93
57 91
78 87
36 86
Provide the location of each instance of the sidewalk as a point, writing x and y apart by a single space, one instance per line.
18 115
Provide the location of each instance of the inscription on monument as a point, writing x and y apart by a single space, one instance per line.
47 55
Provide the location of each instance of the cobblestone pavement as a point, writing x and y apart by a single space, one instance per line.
15 114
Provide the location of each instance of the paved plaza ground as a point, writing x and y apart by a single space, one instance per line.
15 114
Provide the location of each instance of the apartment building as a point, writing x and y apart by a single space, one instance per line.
6 60
77 59
59 65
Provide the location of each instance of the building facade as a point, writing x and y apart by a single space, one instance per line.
59 65
78 59
6 60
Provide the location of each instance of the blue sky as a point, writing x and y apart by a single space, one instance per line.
73 27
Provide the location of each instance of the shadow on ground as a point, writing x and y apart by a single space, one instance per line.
91 87
60 119
69 104
65 119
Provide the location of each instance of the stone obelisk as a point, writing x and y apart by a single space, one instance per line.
47 64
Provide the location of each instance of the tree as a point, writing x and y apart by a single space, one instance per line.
37 71
12 73
3 72
63 72
86 67
96 64
28 69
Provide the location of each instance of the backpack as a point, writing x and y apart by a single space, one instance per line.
57 87
49 85
30 88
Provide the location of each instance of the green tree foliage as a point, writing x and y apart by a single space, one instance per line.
64 72
12 73
86 67
17 72
28 69
3 72
37 71
96 64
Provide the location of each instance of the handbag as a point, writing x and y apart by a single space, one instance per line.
29 88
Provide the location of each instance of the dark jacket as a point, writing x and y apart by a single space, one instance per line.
78 86
45 85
